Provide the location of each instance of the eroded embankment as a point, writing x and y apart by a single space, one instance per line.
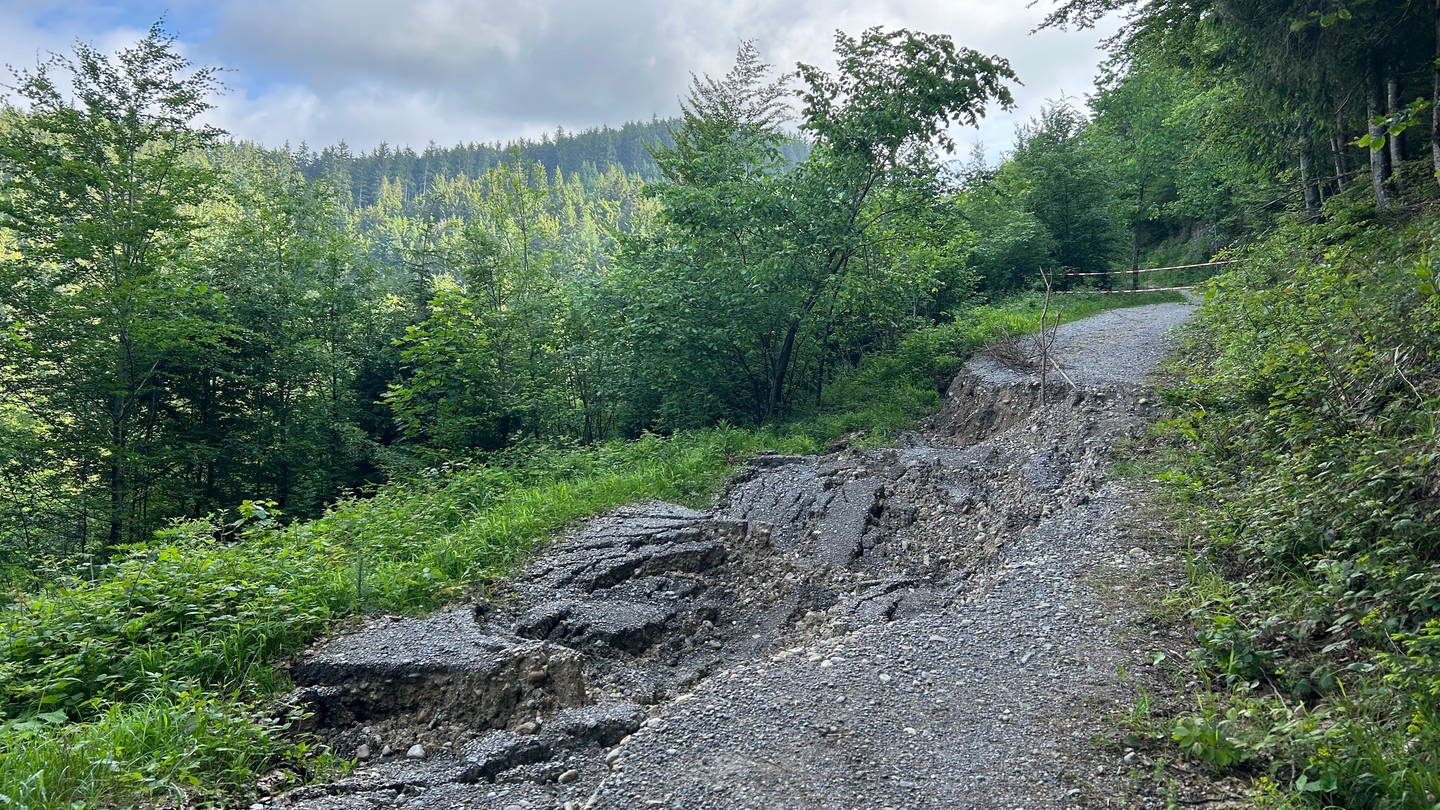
913 626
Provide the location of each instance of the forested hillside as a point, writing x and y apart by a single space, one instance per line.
586 155
249 394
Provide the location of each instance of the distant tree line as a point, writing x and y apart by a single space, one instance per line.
585 154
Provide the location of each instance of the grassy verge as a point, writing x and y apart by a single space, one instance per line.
1303 450
139 686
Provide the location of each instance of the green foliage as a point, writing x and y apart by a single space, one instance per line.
243 340
896 92
1016 245
889 391
98 186
1056 175
447 399
587 156
1180 150
1309 443
277 407
1304 78
764 275
511 337
176 750
1393 125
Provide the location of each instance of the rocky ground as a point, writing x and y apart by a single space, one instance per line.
952 623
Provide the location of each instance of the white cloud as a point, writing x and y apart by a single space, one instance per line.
482 70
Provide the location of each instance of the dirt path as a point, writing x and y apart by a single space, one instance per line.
942 625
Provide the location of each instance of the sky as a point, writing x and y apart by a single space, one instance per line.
461 71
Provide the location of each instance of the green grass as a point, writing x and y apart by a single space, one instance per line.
140 684
176 749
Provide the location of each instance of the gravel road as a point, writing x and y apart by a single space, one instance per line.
1119 346
942 625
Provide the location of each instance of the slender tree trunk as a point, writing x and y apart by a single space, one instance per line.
1312 188
1379 156
1396 142
787 350
116 474
282 429
782 369
1337 156
1135 238
1435 102
820 375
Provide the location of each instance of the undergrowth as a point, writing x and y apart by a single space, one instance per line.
1304 448
142 682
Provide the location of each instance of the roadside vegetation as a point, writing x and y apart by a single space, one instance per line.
298 388
1304 451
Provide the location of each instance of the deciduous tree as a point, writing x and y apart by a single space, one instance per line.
98 185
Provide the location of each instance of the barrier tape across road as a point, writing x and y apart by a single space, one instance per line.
1136 272
1113 292
1149 269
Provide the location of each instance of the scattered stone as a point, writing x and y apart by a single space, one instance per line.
569 776
363 752
417 751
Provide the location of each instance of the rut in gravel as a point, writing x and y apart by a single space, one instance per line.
921 626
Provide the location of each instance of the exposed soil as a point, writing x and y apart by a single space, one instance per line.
943 624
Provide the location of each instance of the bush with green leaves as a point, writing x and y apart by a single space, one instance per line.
176 750
1307 444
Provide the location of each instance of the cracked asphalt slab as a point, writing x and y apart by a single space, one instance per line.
934 625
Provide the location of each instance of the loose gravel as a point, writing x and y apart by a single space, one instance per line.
947 624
